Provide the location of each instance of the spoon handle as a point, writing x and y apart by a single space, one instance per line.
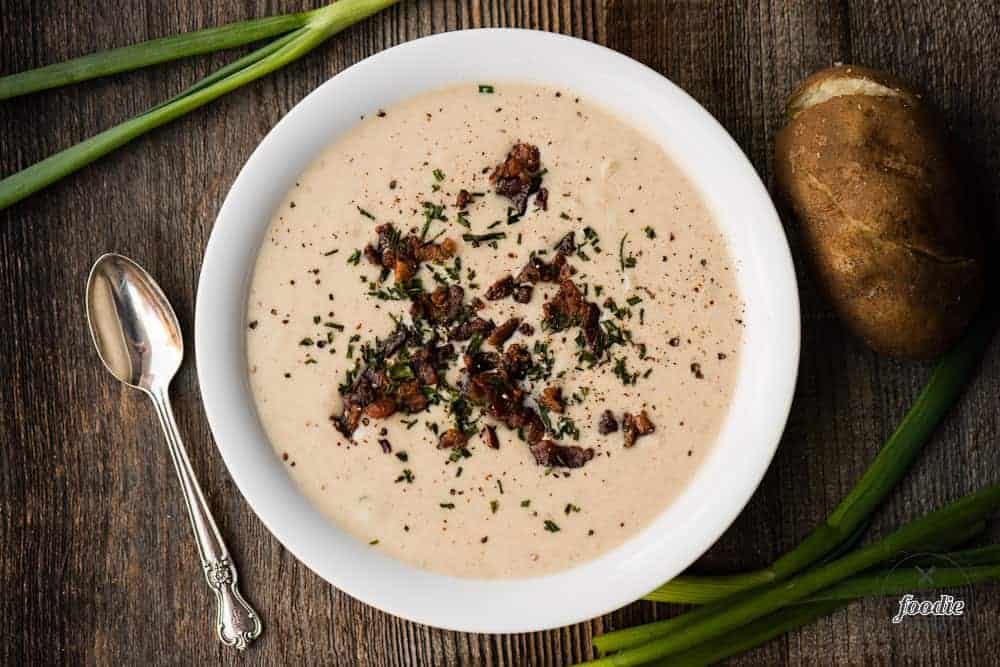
237 624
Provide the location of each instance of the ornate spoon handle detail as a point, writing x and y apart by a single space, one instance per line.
237 624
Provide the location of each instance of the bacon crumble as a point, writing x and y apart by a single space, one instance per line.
635 426
403 254
520 176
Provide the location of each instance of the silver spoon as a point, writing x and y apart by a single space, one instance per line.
139 340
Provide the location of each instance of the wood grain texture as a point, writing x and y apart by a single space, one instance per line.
96 560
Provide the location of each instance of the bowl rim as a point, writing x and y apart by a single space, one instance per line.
769 358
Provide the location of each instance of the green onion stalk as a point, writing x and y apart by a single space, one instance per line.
897 455
737 612
791 618
988 555
760 631
907 580
948 538
300 34
973 566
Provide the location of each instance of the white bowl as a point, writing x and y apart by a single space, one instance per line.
768 361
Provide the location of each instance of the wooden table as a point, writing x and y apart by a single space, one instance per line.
97 564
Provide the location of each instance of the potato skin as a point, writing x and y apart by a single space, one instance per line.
870 180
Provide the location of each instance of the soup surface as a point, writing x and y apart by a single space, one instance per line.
476 425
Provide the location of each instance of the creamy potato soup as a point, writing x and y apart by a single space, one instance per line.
493 331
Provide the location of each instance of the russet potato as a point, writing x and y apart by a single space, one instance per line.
865 168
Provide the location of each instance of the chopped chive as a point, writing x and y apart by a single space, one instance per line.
626 262
477 239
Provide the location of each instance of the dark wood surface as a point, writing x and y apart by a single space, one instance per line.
96 562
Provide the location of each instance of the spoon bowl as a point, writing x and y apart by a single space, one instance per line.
135 330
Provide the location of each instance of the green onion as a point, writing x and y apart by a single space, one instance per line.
959 535
315 28
905 580
730 614
704 590
759 632
897 455
949 538
152 52
989 555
